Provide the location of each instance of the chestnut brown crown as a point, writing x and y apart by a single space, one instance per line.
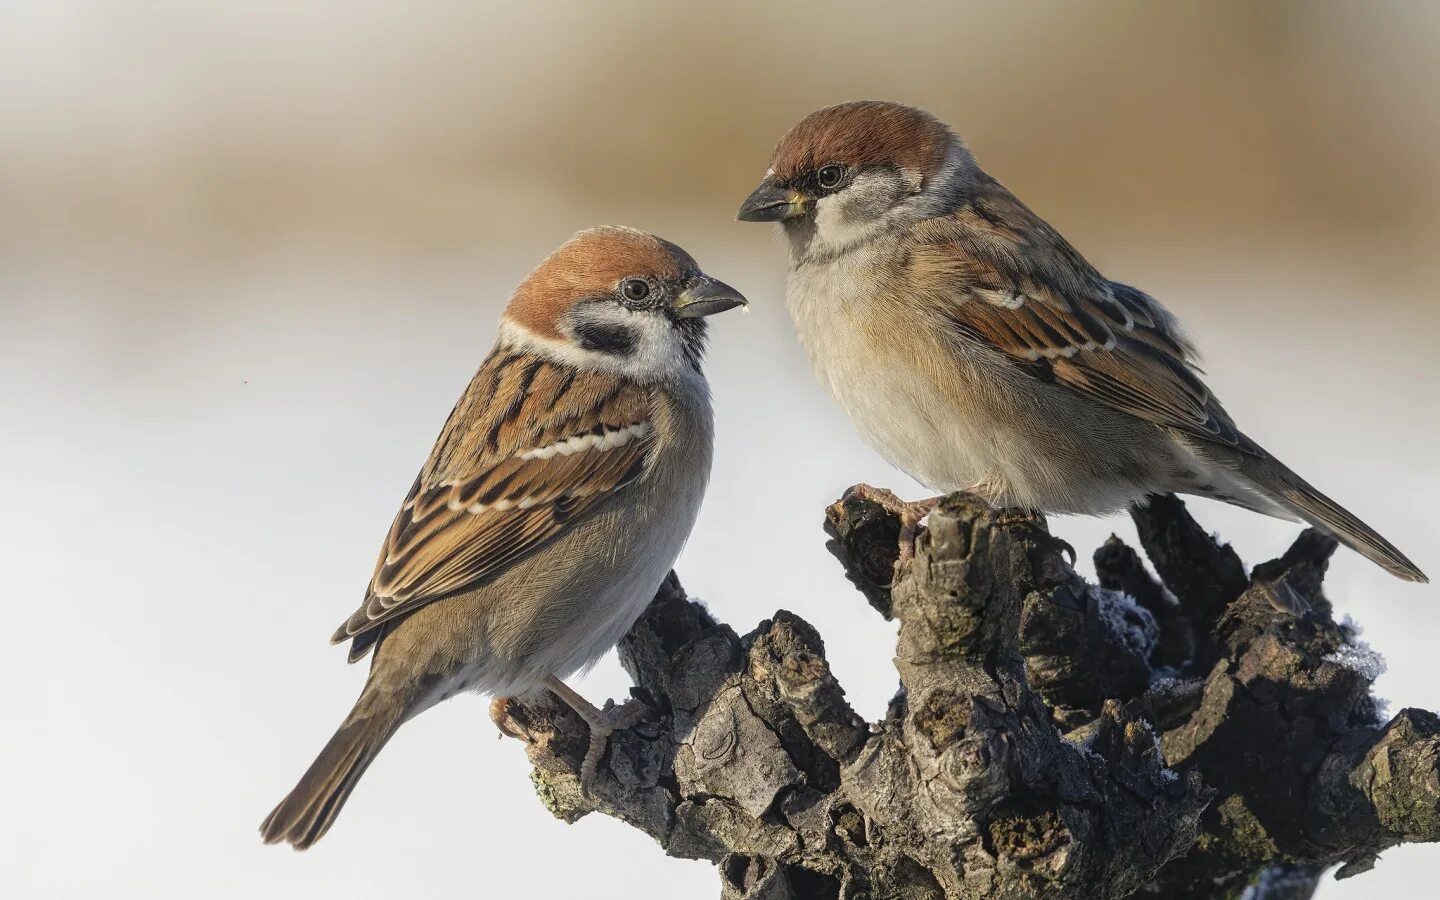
589 264
861 133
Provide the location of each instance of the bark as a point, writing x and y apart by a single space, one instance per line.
1207 734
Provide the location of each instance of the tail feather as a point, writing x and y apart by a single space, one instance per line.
1290 490
309 810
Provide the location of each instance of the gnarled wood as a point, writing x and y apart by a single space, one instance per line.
1050 737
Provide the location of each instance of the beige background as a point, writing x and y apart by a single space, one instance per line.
251 252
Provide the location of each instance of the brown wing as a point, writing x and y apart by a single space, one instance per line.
1021 289
530 447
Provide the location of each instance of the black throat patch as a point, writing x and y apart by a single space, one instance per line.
616 340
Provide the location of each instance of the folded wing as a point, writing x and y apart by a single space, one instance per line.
505 478
1019 289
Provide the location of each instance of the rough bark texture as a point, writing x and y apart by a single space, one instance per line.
1206 737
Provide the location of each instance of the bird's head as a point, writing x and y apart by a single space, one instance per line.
847 173
618 300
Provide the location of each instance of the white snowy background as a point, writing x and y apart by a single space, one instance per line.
250 254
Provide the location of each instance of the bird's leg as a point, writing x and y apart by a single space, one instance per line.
909 514
601 727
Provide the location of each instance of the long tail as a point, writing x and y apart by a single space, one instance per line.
309 810
1283 486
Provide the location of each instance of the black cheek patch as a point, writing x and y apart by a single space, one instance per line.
617 340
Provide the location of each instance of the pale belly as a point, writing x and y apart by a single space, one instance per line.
903 418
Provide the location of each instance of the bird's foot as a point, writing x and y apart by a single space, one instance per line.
910 514
500 715
616 718
602 724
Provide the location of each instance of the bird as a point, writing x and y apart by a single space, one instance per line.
550 510
976 349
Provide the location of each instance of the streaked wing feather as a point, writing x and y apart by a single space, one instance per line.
506 476
1019 288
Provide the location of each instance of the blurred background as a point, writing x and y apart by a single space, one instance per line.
251 252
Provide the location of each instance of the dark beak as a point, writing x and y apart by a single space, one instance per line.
772 203
705 297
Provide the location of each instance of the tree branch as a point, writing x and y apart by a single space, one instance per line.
1189 737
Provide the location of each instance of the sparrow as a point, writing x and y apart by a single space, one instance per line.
553 504
977 350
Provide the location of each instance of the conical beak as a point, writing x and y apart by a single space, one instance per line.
771 202
705 297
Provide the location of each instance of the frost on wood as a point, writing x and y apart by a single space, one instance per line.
1209 734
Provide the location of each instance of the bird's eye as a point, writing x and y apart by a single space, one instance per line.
830 176
635 289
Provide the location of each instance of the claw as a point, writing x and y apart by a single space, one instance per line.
500 715
1064 545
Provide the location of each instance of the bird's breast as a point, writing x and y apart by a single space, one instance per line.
891 369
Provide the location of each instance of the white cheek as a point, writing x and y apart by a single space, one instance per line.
829 219
854 214
659 350
836 228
